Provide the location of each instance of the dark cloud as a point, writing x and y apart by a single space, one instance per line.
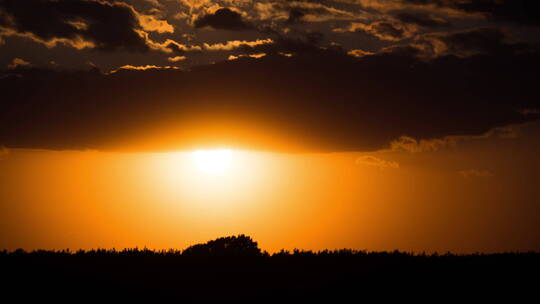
295 15
418 80
223 19
524 12
421 19
322 101
104 25
383 30
471 42
304 44
483 40
300 11
386 31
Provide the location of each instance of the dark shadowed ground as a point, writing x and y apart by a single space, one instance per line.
234 269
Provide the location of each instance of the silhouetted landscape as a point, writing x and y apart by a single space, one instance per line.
234 267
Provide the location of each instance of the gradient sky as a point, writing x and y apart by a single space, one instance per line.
379 125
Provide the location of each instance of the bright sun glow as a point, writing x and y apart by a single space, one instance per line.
213 161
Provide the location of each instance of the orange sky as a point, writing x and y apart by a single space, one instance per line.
479 195
376 125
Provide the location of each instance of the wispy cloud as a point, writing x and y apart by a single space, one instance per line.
372 161
17 62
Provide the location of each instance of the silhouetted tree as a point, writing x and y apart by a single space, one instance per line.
237 246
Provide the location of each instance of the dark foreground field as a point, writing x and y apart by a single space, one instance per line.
235 269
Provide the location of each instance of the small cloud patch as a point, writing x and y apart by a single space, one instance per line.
18 62
372 161
176 59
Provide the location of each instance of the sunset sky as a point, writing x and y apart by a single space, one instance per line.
365 124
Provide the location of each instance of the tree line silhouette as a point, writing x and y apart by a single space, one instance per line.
234 267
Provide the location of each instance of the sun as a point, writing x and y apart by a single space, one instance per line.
213 161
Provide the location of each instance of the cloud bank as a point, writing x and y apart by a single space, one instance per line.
324 100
